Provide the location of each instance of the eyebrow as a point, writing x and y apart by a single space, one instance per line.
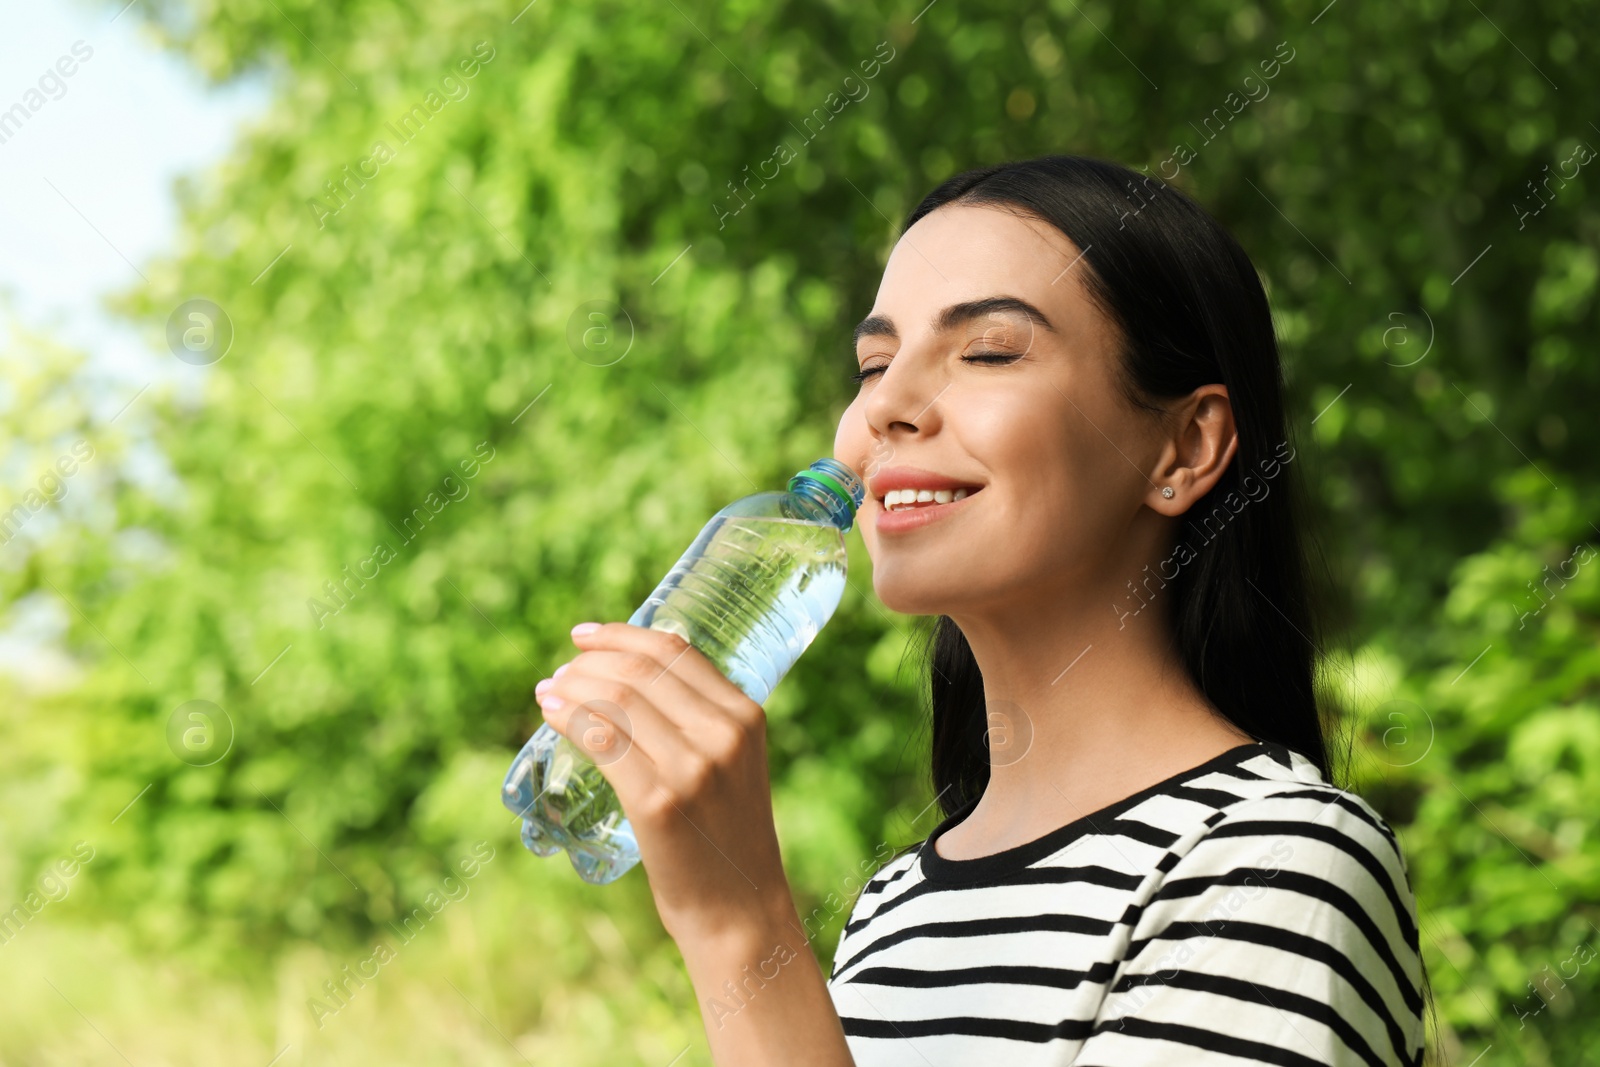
952 316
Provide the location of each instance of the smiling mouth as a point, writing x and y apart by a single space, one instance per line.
898 500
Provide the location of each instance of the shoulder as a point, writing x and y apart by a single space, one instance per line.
886 883
1269 809
882 891
1280 920
1284 817
1292 893
1291 840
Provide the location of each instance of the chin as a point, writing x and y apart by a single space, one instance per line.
924 592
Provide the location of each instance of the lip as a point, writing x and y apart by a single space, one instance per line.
914 478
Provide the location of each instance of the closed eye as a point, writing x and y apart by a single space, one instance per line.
987 358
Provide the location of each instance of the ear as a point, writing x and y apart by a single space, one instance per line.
1197 448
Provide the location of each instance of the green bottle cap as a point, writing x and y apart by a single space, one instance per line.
840 481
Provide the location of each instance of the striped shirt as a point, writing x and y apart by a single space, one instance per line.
1241 912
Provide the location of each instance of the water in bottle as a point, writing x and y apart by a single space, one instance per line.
750 594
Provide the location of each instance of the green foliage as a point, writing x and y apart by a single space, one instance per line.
410 369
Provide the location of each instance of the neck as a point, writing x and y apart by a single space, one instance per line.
1087 704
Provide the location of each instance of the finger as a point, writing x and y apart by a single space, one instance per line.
649 731
693 711
597 729
675 655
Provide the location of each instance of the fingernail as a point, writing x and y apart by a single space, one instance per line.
585 628
550 702
559 669
544 684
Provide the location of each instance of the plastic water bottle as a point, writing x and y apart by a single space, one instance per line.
750 593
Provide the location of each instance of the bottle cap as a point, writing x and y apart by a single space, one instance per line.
840 481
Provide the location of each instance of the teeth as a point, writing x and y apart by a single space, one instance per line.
899 499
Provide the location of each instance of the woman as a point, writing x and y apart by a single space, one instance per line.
1071 424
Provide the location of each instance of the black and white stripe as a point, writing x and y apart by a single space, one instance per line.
1244 911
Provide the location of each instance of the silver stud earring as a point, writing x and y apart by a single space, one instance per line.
1166 491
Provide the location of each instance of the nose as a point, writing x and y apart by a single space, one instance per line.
904 400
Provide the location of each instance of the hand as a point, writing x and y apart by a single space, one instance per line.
686 752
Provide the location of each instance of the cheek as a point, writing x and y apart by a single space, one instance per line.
851 441
1018 439
1058 475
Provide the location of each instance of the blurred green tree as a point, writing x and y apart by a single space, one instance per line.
611 262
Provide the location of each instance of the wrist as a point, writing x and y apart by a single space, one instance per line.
762 993
754 930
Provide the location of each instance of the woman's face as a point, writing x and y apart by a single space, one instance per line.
1057 457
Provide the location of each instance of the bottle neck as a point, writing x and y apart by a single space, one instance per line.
826 501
